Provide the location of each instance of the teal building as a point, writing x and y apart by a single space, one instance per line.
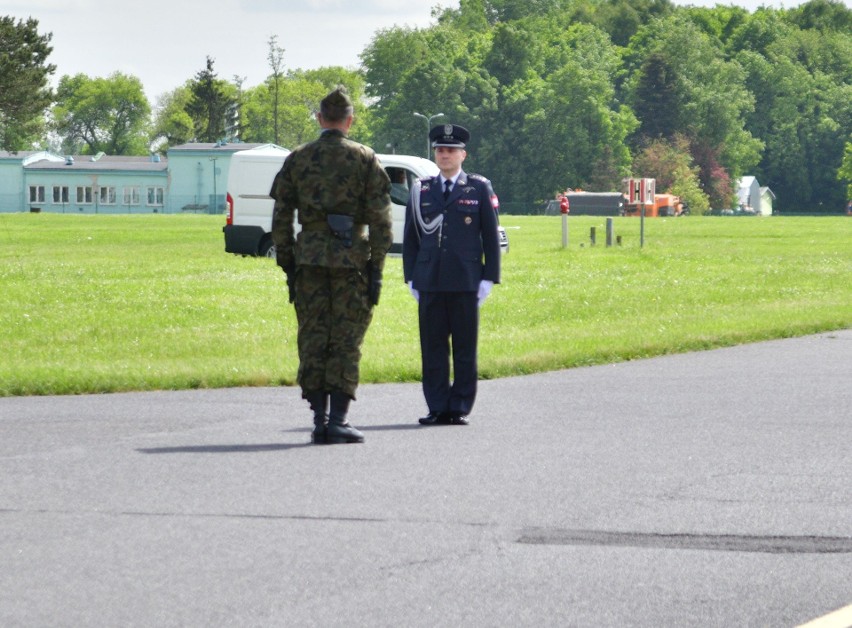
190 178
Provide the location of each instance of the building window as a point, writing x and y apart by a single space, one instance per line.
60 194
36 194
155 196
84 195
106 195
131 196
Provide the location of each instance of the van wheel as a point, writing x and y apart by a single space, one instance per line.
267 249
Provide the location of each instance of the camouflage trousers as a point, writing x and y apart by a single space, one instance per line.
333 312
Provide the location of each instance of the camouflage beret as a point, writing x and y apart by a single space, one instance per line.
339 98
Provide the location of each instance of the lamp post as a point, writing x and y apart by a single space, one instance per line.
428 127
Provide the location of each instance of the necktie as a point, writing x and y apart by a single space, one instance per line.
447 185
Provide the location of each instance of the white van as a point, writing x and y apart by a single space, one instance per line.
249 219
249 207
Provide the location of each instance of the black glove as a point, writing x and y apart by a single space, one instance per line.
289 269
374 276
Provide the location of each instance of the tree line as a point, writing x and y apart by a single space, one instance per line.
556 93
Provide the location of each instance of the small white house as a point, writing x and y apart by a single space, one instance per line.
748 194
766 199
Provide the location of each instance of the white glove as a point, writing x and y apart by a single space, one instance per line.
484 290
414 293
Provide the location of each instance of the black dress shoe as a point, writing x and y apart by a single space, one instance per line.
435 418
458 419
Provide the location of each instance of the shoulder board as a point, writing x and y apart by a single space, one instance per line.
479 178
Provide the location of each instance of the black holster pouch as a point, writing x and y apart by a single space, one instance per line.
341 226
374 285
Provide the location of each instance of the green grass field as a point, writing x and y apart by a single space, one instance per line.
114 303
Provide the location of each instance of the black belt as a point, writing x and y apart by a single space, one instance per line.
321 225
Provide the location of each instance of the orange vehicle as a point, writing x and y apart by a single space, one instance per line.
664 205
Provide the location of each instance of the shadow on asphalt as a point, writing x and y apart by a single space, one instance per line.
247 449
223 449
368 428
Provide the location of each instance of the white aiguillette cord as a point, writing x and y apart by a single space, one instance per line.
430 227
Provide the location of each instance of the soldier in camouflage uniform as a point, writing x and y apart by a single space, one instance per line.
334 266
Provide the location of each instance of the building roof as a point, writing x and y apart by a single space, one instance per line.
24 156
102 163
225 147
744 189
17 154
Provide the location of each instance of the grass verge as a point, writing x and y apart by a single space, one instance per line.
114 303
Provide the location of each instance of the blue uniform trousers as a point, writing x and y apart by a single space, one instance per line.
446 317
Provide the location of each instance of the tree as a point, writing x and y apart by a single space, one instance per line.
719 22
758 32
108 115
171 121
512 55
622 18
550 101
387 61
24 91
509 10
710 98
471 15
715 179
299 95
845 172
657 102
824 15
276 60
298 100
211 101
803 78
399 64
565 107
670 163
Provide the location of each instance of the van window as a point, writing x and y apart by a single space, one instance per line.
401 181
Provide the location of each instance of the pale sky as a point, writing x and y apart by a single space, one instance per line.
164 43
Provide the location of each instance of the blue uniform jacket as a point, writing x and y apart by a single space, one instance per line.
465 249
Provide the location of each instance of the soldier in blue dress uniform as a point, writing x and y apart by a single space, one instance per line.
451 260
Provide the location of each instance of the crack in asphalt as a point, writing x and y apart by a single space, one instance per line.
192 515
768 544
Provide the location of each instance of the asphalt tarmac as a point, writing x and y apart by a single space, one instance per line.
705 489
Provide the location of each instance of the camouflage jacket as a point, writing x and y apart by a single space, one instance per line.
331 175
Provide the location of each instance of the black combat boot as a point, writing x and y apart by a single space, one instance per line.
319 404
339 430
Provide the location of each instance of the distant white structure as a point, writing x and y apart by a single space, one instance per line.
766 199
754 199
748 194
